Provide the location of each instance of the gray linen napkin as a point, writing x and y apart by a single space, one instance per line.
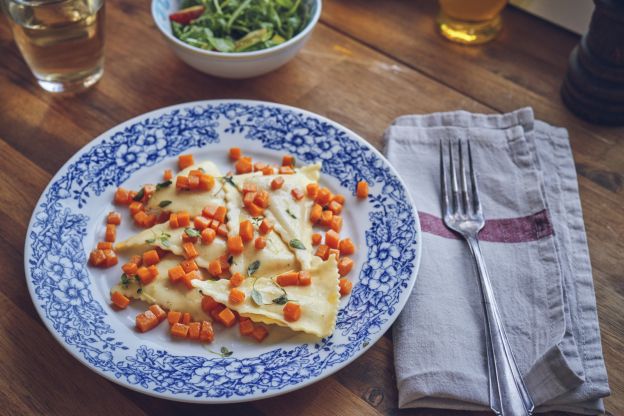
536 251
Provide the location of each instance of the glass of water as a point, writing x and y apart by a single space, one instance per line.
61 40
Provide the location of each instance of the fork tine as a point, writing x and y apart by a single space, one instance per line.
443 182
464 187
454 188
475 189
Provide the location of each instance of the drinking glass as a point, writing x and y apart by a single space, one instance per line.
470 22
62 41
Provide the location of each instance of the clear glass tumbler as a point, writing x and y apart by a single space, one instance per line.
61 40
470 22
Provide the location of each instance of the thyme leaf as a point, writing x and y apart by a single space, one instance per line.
295 243
164 203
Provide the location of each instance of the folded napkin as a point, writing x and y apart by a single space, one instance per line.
536 252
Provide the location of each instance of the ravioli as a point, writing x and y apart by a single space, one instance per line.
274 259
319 301
171 296
170 239
190 201
291 217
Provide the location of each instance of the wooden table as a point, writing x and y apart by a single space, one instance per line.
367 63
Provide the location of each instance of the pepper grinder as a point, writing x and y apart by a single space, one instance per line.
593 87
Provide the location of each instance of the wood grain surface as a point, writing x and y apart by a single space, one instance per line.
367 63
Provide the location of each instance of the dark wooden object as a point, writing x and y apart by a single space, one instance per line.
367 63
594 85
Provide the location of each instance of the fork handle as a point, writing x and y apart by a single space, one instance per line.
508 394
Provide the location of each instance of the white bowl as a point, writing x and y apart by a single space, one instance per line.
235 64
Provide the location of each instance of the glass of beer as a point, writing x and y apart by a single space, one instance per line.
470 22
62 41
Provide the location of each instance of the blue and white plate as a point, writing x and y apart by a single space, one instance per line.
73 299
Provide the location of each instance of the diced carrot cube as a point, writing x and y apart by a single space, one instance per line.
222 231
214 225
336 223
286 170
209 211
269 170
184 161
220 214
121 197
322 251
153 271
260 333
332 239
176 273
254 210
362 189
249 187
345 286
312 190
195 172
288 279
316 213
135 207
136 259
339 198
347 247
186 318
334 252
200 222
131 196
188 278
174 317
167 175
120 300
246 231
214 268
182 183
194 330
193 182
214 312
129 268
316 239
146 321
144 274
227 317
335 207
235 244
235 153
113 218
190 252
260 243
265 226
323 196
110 258
179 330
173 221
225 265
150 257
208 303
305 278
188 266
206 182
206 334
262 199
245 327
288 160
97 258
344 266
159 312
248 198
184 219
104 245
236 280
243 165
297 194
277 183
326 218
140 218
292 311
111 233
236 296
150 220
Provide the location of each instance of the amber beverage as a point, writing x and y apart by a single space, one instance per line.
470 21
61 40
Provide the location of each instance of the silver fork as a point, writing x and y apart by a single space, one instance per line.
508 394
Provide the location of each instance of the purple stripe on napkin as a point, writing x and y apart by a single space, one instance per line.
504 230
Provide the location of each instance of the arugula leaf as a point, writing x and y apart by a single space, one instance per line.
253 267
164 184
164 203
139 196
294 243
